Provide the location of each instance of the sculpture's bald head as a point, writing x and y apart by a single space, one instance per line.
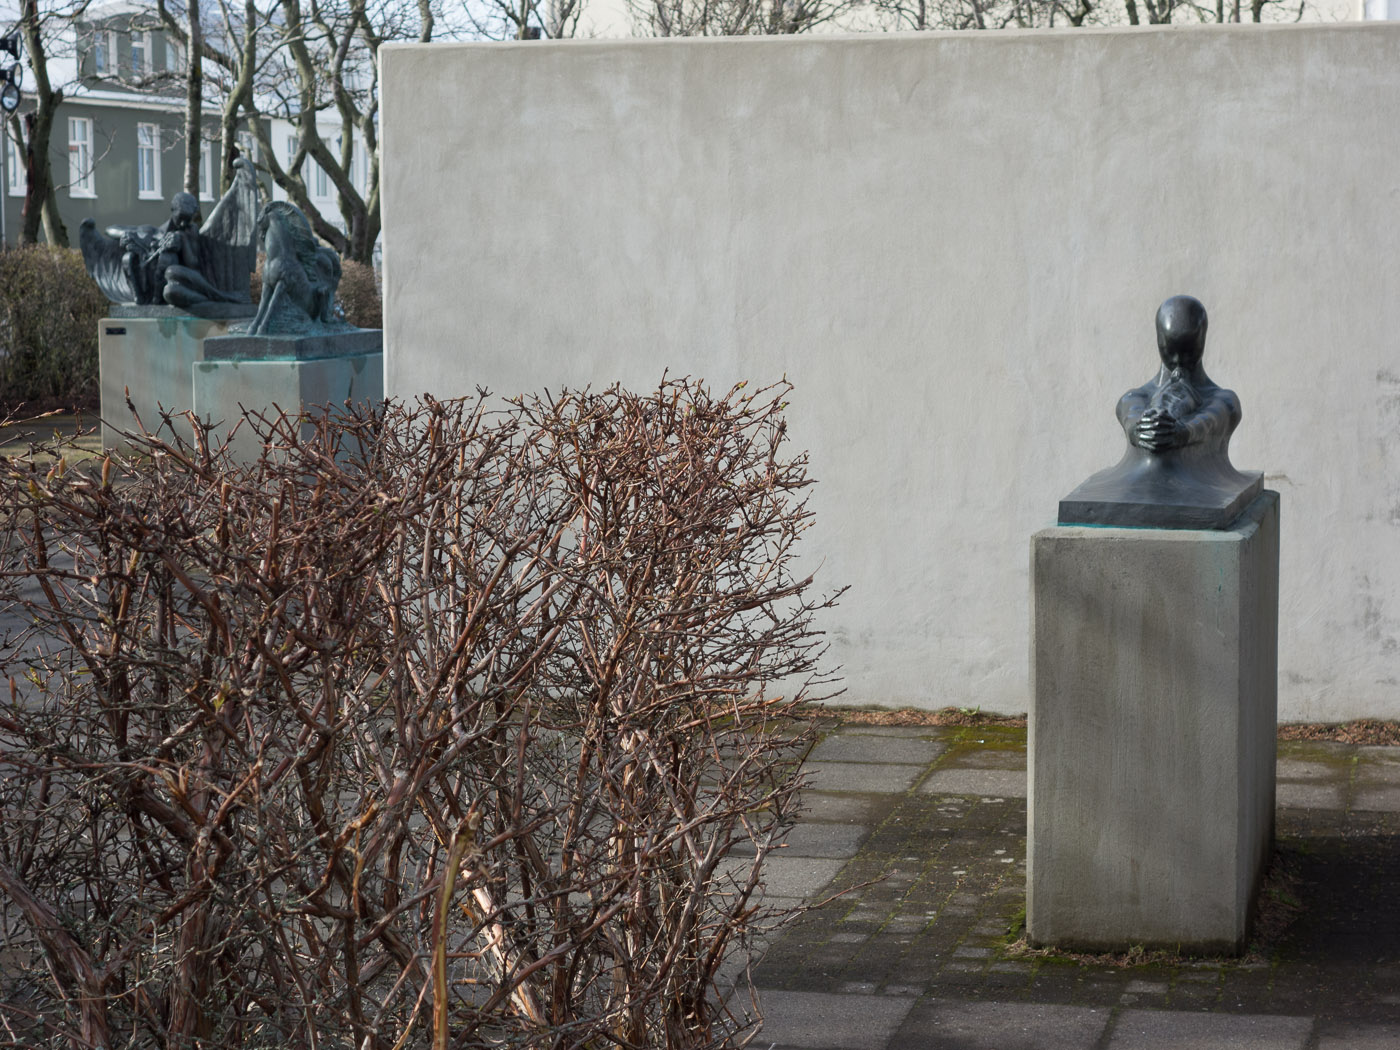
184 210
1181 332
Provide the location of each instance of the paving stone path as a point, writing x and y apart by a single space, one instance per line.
930 825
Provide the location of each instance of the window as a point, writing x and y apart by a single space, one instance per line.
148 161
174 57
104 52
291 149
14 165
322 183
140 52
80 183
247 147
359 169
207 176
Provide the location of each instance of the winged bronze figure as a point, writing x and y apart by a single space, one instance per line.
175 263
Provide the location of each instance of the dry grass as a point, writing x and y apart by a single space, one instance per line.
913 716
1367 731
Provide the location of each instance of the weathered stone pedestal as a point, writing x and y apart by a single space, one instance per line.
1152 732
151 352
168 359
287 372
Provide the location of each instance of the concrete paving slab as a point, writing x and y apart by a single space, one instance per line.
1377 799
1299 769
947 1025
1380 760
1177 1030
816 840
1343 1036
850 747
1328 751
1309 796
861 776
818 806
1003 783
823 1021
986 758
799 876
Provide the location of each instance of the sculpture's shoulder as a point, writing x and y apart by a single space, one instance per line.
1145 391
1227 397
1220 398
1132 404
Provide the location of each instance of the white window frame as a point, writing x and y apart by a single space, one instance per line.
174 56
14 164
104 52
141 39
148 151
323 181
81 182
359 167
206 170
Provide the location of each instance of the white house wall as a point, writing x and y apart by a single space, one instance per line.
281 131
953 245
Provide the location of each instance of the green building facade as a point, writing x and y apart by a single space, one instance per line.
118 143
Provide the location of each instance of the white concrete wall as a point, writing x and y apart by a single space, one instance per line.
954 246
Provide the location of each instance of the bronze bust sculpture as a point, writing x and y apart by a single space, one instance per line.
1176 472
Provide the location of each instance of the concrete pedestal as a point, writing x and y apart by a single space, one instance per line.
168 359
224 388
1152 733
153 357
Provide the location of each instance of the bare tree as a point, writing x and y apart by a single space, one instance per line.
227 38
302 63
46 30
1029 14
523 19
735 17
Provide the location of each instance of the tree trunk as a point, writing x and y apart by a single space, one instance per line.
55 232
38 127
194 100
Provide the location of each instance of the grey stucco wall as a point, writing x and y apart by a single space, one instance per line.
953 245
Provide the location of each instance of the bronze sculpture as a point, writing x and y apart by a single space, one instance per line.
300 276
177 263
1176 472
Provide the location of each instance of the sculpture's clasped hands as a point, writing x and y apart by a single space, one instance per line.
1156 431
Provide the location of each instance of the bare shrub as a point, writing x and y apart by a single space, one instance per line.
358 295
436 728
49 309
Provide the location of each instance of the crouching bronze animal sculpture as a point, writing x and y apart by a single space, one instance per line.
300 276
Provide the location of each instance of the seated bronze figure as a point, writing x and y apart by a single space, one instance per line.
180 263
